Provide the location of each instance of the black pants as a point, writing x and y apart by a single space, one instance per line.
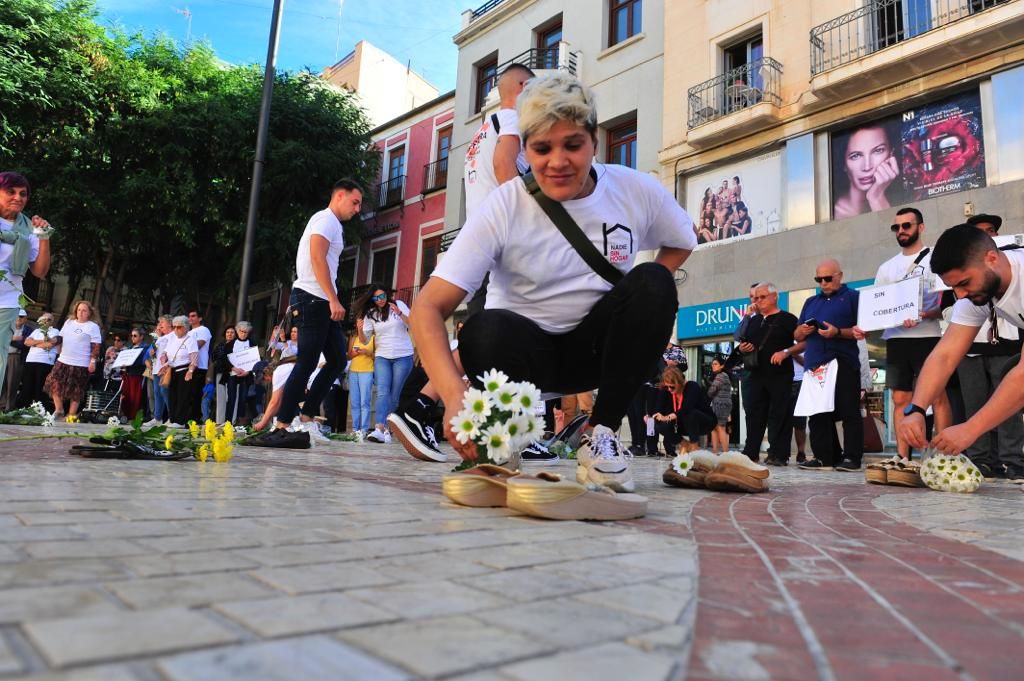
612 349
33 375
769 397
238 397
694 425
179 396
196 396
317 333
847 410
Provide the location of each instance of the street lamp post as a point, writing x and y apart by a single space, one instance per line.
257 165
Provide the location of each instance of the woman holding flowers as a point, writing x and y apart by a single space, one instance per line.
551 319
79 352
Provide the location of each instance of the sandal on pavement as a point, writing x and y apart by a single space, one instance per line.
701 463
483 486
905 474
558 499
878 473
737 473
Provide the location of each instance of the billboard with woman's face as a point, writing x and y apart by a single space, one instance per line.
931 150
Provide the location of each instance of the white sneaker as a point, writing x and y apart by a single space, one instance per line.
151 423
172 424
387 437
603 460
313 428
377 436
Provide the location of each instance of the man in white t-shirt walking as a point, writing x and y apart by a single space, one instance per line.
314 308
203 337
989 284
907 346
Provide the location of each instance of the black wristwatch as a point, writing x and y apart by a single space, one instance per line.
914 409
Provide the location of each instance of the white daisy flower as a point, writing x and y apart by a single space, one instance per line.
49 420
498 443
38 408
528 397
477 403
519 429
493 380
113 421
505 398
682 464
533 428
465 427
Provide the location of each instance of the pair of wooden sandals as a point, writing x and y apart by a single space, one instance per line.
728 472
545 495
894 471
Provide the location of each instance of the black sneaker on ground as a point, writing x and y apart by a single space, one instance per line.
417 437
280 438
801 457
848 465
1015 474
637 450
987 471
537 453
775 462
815 465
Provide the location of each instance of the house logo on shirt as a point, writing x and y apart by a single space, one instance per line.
618 243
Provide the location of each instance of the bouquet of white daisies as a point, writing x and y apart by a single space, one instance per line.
500 418
951 473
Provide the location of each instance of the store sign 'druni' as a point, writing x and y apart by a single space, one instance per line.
714 319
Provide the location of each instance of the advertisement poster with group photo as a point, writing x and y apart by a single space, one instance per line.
737 200
920 153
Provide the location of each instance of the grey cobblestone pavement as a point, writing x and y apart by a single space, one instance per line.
344 562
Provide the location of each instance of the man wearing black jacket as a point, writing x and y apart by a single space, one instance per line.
767 346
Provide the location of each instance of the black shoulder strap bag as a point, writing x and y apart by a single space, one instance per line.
572 233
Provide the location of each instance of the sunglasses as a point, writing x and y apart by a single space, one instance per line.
901 225
826 279
380 297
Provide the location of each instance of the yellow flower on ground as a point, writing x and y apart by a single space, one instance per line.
169 442
204 452
229 431
211 430
71 418
193 429
222 450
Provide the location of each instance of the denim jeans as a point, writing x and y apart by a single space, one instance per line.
389 375
161 403
360 388
311 315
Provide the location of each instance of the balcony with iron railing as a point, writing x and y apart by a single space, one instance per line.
886 41
448 238
754 89
542 58
390 193
435 176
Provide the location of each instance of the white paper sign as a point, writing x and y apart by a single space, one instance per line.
126 358
245 359
888 305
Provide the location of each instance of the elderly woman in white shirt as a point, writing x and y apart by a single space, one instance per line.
180 355
42 344
79 352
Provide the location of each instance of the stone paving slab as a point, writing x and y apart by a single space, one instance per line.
344 562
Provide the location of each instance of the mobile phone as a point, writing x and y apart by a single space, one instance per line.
812 322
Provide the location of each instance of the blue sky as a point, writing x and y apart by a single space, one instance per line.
420 30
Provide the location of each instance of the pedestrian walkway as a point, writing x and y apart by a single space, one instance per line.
344 562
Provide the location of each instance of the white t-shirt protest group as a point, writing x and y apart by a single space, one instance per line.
76 342
535 272
36 354
478 170
179 349
898 268
326 224
201 333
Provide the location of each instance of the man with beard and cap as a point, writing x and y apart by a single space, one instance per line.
989 285
907 346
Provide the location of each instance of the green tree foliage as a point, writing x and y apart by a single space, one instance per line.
141 153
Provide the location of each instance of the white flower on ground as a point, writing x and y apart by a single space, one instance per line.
951 474
113 421
493 380
682 464
528 397
465 427
498 443
478 404
505 398
49 420
38 408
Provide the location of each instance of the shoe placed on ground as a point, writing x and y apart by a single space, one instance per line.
735 472
775 462
815 465
1015 475
172 424
279 438
637 450
848 465
905 473
602 460
152 423
877 473
537 453
376 435
482 486
801 457
387 437
417 437
702 463
548 496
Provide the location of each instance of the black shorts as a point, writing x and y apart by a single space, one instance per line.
799 422
904 358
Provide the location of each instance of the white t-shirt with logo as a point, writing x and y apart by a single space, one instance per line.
283 371
179 349
76 342
38 355
201 333
1010 307
392 334
10 283
535 272
326 224
478 170
898 268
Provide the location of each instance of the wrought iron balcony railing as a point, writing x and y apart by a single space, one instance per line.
485 8
391 192
558 57
447 238
435 176
750 84
883 23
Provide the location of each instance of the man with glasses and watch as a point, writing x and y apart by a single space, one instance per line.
907 346
827 326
